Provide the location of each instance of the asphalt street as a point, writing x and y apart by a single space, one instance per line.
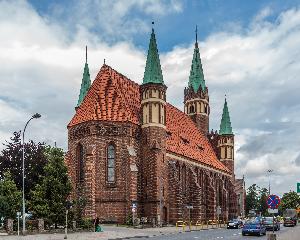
212 234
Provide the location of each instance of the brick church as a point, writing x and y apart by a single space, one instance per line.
130 151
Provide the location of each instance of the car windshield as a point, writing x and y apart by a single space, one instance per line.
253 221
268 219
234 220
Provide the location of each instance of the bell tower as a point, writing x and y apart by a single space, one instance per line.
226 140
153 124
196 99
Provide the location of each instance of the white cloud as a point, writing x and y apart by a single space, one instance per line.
113 19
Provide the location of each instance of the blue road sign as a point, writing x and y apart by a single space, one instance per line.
273 201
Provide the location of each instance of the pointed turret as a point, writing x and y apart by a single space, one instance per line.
86 81
196 99
226 140
196 78
225 126
153 73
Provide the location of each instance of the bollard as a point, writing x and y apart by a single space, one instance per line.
180 224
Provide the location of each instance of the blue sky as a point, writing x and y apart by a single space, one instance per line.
249 51
210 16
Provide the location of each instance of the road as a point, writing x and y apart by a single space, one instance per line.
213 234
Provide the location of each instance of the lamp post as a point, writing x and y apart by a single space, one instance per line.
269 171
37 115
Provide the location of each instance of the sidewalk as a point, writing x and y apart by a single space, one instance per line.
292 234
110 232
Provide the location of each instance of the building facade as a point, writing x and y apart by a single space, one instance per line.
132 152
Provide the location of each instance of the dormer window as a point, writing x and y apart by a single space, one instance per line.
184 140
200 147
169 134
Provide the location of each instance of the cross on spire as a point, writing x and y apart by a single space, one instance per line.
85 54
196 34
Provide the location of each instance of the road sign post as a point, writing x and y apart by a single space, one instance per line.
273 202
18 215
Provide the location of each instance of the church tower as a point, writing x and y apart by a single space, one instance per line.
86 81
226 140
153 124
196 99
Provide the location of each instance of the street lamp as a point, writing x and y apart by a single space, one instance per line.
37 115
269 171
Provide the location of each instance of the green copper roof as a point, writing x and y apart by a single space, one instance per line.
153 73
196 78
85 84
225 126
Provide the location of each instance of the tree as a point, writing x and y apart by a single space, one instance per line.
290 200
10 197
11 160
262 202
49 197
252 198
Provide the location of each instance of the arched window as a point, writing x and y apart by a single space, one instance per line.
192 109
111 163
80 160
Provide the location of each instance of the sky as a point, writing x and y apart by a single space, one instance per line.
249 51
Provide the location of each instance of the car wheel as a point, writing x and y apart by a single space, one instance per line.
244 234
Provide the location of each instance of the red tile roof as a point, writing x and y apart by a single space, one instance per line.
113 97
185 139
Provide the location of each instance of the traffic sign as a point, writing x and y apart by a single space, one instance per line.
298 187
270 210
273 201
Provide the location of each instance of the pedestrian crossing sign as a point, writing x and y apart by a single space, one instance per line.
298 187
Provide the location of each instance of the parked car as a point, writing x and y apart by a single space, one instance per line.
268 222
289 222
255 227
234 223
290 217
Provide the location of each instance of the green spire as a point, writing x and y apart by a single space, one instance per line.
153 73
86 81
196 78
225 126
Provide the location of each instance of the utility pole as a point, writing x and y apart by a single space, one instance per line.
269 171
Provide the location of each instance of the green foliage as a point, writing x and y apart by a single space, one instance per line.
252 198
129 220
11 160
49 197
290 200
87 223
10 197
78 206
262 202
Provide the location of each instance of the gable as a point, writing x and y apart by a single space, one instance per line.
112 97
